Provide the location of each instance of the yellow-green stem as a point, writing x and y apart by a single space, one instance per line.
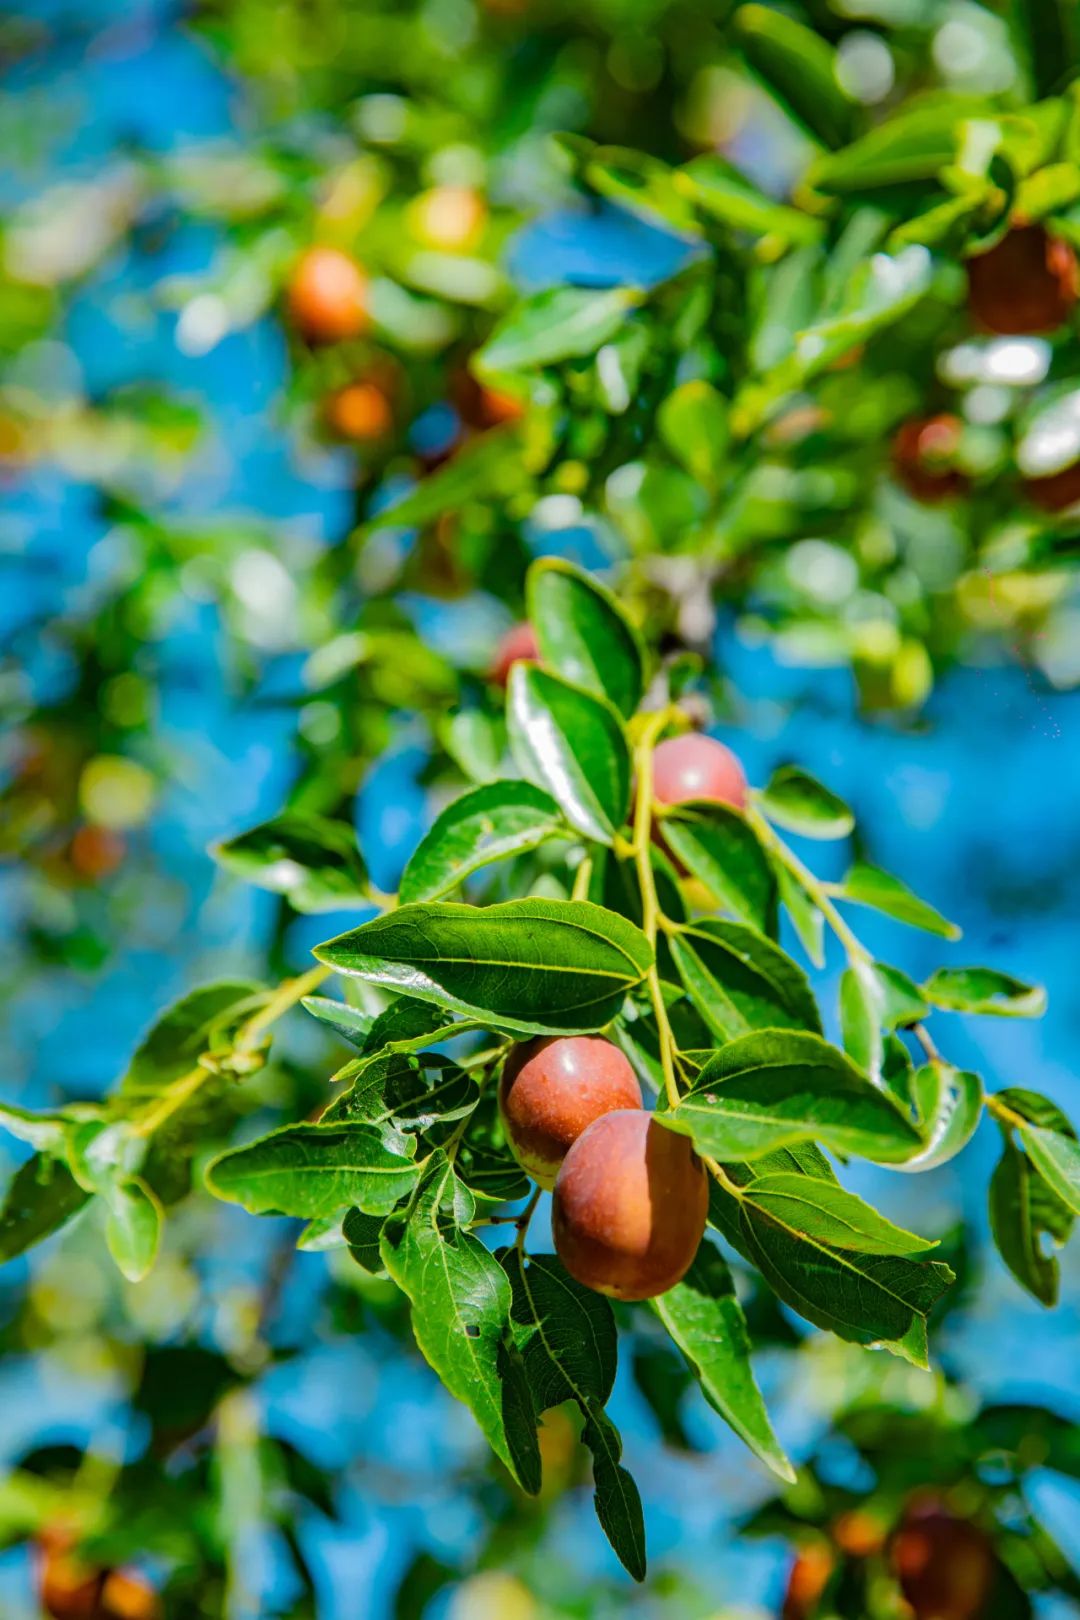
650 905
813 886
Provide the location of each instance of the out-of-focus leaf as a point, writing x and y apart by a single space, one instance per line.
643 184
489 468
200 1021
1024 1209
133 1228
560 323
985 990
915 144
693 423
948 1105
41 1197
536 966
793 799
719 189
314 862
799 68
584 634
572 744
870 886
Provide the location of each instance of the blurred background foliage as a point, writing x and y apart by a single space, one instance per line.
242 569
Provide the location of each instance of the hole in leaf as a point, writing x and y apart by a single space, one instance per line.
471 1330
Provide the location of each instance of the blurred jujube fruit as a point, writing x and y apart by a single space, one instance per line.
552 1089
943 1564
518 645
629 1206
1055 492
694 766
923 455
807 1579
68 1588
328 296
360 412
1026 283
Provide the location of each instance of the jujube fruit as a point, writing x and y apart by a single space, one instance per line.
552 1089
68 1588
694 766
128 1597
328 296
943 1564
1055 492
807 1580
629 1206
923 456
360 412
518 645
1027 282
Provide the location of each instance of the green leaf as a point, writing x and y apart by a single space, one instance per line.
642 184
1057 1159
133 1228
311 1170
874 999
461 1301
866 1298
827 1212
806 919
740 981
411 1093
362 1233
560 323
42 1196
618 1503
793 799
869 886
201 1021
704 1317
487 824
314 862
772 1088
799 68
693 423
584 635
349 1022
1023 1210
914 145
719 189
534 966
717 846
488 468
572 744
984 990
47 1132
948 1106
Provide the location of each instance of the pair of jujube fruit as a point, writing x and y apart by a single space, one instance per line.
630 1196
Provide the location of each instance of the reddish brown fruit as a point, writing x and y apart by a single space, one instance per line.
360 412
128 1597
519 645
551 1090
328 296
96 853
480 406
924 454
629 1206
1027 282
697 767
858 1534
1056 492
944 1565
807 1580
68 1588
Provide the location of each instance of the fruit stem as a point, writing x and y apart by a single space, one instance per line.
523 1220
818 891
650 905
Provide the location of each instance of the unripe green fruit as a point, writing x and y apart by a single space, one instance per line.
551 1090
697 767
629 1206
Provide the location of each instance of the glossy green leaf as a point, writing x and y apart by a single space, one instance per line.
799 67
1057 1159
806 919
411 1093
571 743
771 1088
560 323
874 1000
349 1022
793 799
740 981
42 1196
719 189
948 1105
1024 1211
616 1497
704 1318
133 1228
985 990
488 824
584 634
693 423
914 145
314 862
311 1170
870 886
535 966
716 845
827 1212
461 1302
362 1233
868 1299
